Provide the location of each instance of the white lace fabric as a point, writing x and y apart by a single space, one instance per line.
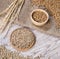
46 46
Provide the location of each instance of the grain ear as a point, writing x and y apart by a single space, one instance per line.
12 12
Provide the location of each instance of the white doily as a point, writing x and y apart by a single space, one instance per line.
46 46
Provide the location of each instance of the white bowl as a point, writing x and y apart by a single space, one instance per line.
37 23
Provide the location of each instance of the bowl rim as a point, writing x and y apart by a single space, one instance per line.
38 23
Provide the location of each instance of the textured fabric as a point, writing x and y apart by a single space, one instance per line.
46 46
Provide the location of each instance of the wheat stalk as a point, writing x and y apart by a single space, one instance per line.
7 9
11 14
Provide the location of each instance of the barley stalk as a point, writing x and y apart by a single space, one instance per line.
7 9
11 14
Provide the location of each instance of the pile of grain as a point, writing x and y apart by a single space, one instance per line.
22 39
39 16
7 54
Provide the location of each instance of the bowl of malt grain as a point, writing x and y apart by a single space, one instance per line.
39 17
